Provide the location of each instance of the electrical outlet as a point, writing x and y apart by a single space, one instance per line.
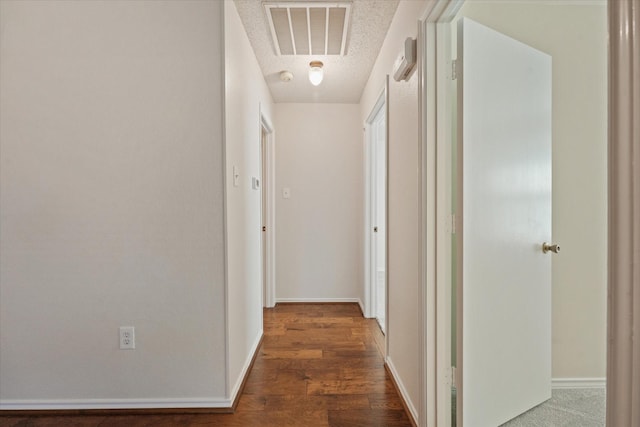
127 338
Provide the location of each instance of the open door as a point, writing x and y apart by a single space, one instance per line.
504 196
264 213
267 209
376 210
379 215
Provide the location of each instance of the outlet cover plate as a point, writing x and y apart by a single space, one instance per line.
127 338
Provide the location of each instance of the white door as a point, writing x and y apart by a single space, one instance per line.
377 210
504 107
380 215
263 212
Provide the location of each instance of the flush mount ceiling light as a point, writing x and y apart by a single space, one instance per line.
315 72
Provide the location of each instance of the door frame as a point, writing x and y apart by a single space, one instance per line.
623 306
435 376
436 219
382 104
267 161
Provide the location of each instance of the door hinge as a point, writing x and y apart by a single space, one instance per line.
452 224
453 376
454 69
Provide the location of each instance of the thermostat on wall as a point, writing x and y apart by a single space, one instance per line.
406 62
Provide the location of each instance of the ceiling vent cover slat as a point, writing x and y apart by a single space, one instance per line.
309 28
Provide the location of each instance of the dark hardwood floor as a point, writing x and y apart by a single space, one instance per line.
319 365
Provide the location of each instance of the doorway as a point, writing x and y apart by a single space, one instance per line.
377 180
578 351
267 214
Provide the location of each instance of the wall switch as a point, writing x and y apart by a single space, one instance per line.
286 193
127 338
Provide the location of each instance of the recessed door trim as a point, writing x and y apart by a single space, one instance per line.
268 253
436 221
370 279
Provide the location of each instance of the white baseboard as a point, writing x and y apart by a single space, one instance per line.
403 391
63 404
245 368
319 300
361 307
560 383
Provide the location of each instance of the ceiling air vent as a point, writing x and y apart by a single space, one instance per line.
309 28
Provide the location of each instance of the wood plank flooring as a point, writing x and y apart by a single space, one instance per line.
319 365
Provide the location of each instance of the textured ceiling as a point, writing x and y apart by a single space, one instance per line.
344 76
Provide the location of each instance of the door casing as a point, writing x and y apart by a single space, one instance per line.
267 161
434 70
370 282
436 221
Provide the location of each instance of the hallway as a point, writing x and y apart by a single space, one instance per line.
318 365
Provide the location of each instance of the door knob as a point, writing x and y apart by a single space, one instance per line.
550 248
375 229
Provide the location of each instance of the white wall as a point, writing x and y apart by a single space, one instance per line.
246 97
111 203
575 35
319 155
403 232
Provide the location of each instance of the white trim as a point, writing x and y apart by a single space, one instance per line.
370 302
347 19
64 404
225 198
426 289
272 27
576 383
382 100
435 259
320 300
443 206
368 297
369 279
403 390
245 369
269 285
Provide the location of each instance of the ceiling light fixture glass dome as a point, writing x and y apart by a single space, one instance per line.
315 72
